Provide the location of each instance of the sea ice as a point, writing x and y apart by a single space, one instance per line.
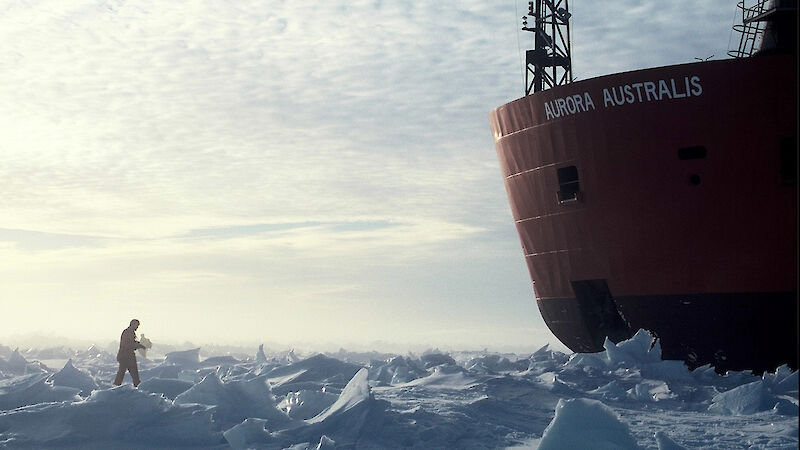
651 391
251 433
436 359
581 423
69 376
33 389
747 399
235 401
610 391
396 370
783 381
625 396
261 357
665 443
161 371
305 404
183 358
112 418
18 365
310 373
326 443
168 387
341 421
354 394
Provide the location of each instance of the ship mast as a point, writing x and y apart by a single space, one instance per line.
550 62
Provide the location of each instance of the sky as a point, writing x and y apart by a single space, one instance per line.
318 174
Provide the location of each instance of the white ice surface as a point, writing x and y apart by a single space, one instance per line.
624 397
355 393
69 376
235 401
600 428
183 357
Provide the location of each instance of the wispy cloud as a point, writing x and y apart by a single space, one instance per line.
629 34
145 112
158 154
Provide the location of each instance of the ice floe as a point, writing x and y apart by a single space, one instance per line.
32 389
234 401
581 423
189 357
112 418
69 376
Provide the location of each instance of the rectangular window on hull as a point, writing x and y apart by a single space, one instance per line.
694 152
569 188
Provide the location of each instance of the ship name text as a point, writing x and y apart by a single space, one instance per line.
645 91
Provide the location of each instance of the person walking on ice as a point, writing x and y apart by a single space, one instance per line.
127 356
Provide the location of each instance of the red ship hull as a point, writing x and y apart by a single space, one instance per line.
662 199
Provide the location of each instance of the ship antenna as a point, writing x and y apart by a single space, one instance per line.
550 62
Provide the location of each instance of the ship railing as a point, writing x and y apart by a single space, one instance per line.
750 31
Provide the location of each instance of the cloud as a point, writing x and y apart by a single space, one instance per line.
147 112
152 113
33 240
198 152
629 35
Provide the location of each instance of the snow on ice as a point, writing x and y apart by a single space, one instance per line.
624 397
600 428
69 376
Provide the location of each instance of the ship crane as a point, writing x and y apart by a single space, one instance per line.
550 62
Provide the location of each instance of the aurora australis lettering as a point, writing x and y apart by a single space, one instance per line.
645 91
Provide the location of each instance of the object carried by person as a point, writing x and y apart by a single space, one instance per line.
147 345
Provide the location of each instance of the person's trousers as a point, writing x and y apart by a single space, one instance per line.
127 363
